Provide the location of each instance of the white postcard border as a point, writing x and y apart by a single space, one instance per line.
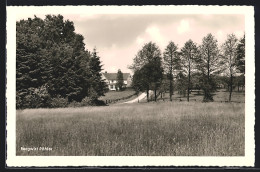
44 161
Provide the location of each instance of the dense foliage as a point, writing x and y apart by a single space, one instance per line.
148 69
53 66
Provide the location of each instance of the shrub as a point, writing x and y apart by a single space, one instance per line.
74 104
33 98
86 101
98 103
59 102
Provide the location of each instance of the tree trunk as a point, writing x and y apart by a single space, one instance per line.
208 65
147 95
155 95
171 89
188 98
231 84
171 78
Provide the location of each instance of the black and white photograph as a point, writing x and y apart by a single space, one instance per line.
130 85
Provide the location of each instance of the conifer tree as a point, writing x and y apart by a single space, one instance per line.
98 85
52 63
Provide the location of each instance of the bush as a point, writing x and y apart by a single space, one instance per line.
86 101
98 103
74 104
39 98
59 102
33 98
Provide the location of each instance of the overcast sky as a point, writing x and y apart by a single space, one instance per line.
119 37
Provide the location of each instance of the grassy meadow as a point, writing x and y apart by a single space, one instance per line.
220 95
139 129
120 96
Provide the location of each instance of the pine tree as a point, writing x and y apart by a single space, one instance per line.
52 63
98 86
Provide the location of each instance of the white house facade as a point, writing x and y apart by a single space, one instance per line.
111 80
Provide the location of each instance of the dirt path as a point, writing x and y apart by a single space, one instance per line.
140 97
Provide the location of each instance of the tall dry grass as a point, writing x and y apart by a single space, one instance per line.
144 129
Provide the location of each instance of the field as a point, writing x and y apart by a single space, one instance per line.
118 96
220 95
141 129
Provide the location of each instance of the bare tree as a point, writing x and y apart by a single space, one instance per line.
189 53
229 49
208 64
171 63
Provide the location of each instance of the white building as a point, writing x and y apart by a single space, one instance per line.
111 80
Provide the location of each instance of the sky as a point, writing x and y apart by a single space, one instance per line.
118 37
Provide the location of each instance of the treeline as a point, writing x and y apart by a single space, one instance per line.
203 67
53 69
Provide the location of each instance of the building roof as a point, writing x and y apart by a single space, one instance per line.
113 76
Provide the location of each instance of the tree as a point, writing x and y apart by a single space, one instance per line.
52 63
149 52
98 85
171 63
29 60
148 65
240 58
181 83
240 62
154 73
140 82
207 63
189 54
148 77
229 59
120 80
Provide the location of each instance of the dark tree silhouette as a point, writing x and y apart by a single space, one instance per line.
240 58
52 63
148 65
